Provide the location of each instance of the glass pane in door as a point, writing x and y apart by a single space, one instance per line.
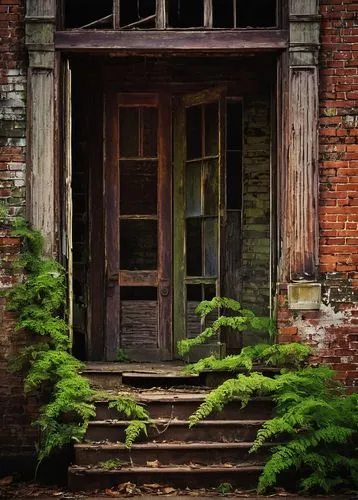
138 226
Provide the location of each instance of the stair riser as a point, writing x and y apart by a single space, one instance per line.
182 410
167 456
108 380
93 480
218 433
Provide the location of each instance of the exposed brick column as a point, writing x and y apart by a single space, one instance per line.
13 105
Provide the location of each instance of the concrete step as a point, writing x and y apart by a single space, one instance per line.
182 405
148 375
114 375
177 430
204 453
242 476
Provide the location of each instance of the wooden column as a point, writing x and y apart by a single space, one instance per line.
299 153
40 24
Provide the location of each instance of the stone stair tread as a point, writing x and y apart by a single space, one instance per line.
169 445
144 397
140 374
175 422
172 469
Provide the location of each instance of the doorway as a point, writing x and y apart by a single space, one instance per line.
179 203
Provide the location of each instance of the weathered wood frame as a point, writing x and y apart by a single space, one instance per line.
297 42
180 279
116 278
298 145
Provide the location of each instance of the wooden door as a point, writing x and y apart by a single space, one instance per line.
199 205
138 227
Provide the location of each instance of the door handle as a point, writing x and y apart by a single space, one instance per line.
113 278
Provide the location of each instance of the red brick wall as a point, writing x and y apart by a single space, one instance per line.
334 329
17 436
13 107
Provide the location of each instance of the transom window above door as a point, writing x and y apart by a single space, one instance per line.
170 14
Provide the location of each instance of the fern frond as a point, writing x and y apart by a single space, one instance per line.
133 431
291 354
128 406
242 388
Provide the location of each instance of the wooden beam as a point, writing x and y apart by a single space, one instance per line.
298 159
41 159
171 41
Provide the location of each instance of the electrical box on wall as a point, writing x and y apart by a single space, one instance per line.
304 295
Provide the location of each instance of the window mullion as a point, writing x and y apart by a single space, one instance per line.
162 14
116 14
208 13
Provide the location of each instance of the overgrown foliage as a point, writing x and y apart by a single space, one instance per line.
39 301
244 319
316 420
136 413
276 355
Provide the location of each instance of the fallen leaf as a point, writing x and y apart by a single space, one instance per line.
111 493
153 486
169 490
5 481
154 463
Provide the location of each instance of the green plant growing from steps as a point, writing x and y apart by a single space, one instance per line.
277 355
225 488
315 417
39 301
112 464
136 413
243 319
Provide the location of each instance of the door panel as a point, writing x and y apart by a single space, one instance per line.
198 208
138 227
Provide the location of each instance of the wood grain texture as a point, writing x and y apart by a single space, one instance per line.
303 174
171 41
41 8
139 324
165 227
96 265
112 342
178 224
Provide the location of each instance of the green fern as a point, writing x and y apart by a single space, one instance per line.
320 426
39 302
314 416
291 354
139 416
133 431
279 355
129 407
32 245
242 388
4 212
244 319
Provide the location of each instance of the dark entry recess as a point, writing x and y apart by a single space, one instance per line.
137 202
